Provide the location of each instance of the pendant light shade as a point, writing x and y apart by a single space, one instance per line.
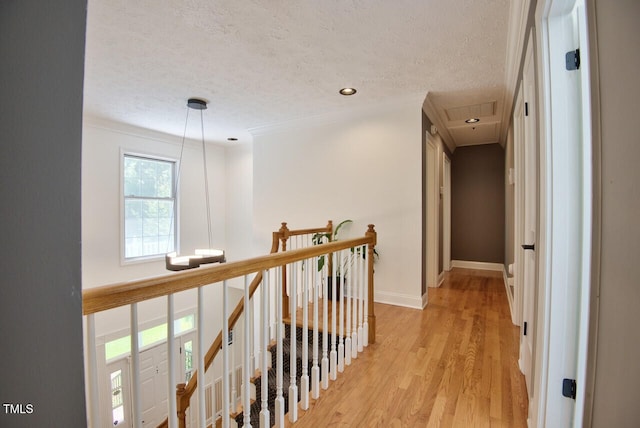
173 261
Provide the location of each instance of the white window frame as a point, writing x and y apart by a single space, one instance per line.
176 211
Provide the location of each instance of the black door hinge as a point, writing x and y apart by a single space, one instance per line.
572 59
525 329
569 388
526 109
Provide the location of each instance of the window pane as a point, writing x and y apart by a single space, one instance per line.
132 227
164 180
131 182
133 247
185 323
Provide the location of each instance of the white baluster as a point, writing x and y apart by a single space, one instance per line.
225 356
135 368
246 361
202 416
361 302
325 329
171 372
279 402
264 366
234 382
333 356
365 335
92 358
354 315
293 387
315 370
347 341
304 379
341 320
252 343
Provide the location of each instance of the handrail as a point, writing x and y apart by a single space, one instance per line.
112 296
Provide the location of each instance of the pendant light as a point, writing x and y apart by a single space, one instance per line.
173 261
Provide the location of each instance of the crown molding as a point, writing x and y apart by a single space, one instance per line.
144 133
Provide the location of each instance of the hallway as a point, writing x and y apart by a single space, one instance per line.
453 365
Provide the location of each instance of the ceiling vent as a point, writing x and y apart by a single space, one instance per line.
476 110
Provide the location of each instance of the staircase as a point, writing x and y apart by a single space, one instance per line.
286 376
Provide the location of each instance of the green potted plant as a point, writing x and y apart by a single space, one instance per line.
322 238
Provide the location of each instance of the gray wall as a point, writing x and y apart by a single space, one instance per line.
618 348
41 361
477 203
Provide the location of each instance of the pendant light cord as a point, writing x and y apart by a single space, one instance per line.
176 182
206 178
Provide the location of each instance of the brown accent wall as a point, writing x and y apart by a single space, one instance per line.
477 204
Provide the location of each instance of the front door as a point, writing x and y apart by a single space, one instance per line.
153 385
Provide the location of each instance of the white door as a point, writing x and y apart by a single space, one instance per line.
432 212
153 385
446 213
568 152
118 398
529 237
518 148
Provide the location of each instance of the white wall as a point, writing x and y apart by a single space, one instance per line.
101 212
365 168
239 203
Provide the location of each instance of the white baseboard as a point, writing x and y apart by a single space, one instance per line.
498 267
440 278
425 300
397 299
507 283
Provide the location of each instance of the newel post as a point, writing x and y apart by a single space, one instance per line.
182 409
370 260
284 236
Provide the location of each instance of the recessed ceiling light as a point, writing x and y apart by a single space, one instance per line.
472 120
232 139
347 91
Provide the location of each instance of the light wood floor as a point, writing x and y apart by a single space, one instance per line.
451 365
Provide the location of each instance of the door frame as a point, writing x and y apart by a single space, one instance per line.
431 209
566 198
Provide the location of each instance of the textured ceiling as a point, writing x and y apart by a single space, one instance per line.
262 63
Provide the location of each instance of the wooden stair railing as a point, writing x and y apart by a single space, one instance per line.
184 392
112 296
